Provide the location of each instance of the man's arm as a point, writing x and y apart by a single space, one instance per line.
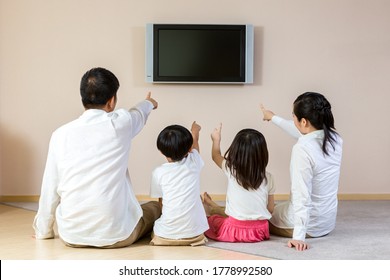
49 199
139 113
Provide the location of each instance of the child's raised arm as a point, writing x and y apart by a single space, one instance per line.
216 147
195 128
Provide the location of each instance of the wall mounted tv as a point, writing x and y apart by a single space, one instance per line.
199 53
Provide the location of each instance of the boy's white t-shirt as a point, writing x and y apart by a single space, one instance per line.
178 184
243 204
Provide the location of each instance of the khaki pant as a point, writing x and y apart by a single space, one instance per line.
194 241
284 232
151 212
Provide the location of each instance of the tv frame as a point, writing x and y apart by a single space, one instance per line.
151 63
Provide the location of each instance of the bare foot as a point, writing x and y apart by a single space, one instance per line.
208 200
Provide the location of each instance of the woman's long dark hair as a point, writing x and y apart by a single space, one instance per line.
315 108
247 158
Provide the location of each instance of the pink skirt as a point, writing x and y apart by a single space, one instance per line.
228 229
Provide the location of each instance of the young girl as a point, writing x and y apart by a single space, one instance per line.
314 170
249 198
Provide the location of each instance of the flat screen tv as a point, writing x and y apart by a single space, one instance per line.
199 53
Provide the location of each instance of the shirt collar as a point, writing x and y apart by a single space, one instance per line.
314 134
92 112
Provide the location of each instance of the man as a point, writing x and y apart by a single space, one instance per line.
86 186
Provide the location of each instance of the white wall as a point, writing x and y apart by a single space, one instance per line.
340 48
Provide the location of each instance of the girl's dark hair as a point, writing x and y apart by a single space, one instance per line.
247 158
97 86
174 142
317 110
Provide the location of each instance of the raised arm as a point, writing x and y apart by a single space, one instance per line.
195 128
154 102
216 146
140 112
287 125
267 114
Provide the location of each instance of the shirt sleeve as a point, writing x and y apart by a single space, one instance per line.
286 125
270 184
301 177
155 187
197 158
49 199
139 115
225 169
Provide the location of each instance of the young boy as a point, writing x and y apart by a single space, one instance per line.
177 185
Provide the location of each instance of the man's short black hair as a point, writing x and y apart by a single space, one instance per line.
97 87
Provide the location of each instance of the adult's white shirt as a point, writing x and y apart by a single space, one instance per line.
312 207
178 184
86 186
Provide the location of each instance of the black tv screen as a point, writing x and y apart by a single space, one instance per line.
183 53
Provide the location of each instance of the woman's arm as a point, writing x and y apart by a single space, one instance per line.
301 188
287 125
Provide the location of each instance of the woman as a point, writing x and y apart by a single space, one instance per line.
314 170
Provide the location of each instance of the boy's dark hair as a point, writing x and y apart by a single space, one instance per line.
175 141
247 158
97 86
317 110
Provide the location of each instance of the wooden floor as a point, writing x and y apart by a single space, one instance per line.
17 243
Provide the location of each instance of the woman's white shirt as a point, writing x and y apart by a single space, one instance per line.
312 207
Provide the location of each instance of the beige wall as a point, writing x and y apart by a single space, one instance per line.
338 47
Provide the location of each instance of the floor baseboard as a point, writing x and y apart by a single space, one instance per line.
216 197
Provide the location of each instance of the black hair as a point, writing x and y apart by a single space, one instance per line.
247 158
317 110
97 87
175 141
